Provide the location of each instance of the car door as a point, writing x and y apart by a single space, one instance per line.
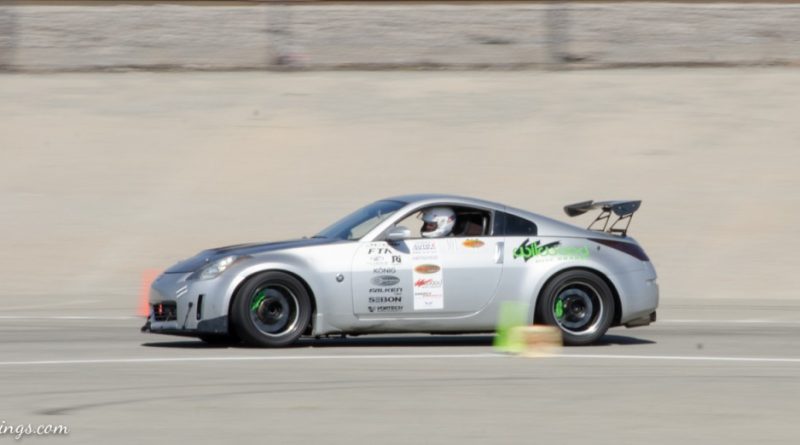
432 278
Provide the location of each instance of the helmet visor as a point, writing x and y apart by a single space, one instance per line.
429 227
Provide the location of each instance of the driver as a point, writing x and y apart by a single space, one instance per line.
437 222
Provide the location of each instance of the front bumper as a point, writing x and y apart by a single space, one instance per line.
179 306
217 325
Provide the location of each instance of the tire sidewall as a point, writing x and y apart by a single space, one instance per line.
240 310
549 294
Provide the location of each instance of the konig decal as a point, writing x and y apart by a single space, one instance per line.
472 243
427 269
528 250
385 280
384 270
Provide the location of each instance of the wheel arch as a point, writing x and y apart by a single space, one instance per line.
294 275
537 316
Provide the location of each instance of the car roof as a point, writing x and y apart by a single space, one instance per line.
547 226
421 198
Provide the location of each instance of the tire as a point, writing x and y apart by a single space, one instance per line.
580 304
272 309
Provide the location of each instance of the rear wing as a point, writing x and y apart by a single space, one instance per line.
624 211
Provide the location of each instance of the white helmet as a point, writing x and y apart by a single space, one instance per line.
439 222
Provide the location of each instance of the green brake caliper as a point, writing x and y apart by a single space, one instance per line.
257 301
559 309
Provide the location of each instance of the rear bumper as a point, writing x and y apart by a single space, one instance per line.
638 294
641 321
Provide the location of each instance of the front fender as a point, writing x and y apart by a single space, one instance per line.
294 266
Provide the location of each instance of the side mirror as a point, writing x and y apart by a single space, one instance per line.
398 233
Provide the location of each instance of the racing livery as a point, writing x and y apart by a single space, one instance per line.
376 271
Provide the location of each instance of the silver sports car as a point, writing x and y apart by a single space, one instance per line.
417 263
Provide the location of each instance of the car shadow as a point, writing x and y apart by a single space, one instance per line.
350 341
620 340
384 341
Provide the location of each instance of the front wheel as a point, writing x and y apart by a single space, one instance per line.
271 309
580 304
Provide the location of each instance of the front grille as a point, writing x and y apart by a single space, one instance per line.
165 312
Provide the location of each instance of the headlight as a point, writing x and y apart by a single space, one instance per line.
216 268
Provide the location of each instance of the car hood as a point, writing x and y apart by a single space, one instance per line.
207 256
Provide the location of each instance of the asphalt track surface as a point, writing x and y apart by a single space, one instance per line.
730 376
103 176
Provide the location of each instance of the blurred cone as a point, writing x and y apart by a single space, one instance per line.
147 278
512 315
537 340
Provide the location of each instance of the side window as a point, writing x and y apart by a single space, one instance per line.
499 227
516 226
469 222
412 222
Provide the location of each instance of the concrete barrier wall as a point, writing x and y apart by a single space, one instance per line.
386 36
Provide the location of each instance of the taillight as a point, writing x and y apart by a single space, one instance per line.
631 249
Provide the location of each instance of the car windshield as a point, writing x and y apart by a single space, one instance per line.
359 223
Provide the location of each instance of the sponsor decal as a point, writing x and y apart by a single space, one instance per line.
386 290
528 250
422 282
427 275
379 251
427 283
423 246
422 258
384 270
385 280
427 269
377 259
473 243
394 299
385 308
397 259
428 300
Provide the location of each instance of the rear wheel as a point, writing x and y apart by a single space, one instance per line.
580 304
271 309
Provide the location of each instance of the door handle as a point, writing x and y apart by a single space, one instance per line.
498 253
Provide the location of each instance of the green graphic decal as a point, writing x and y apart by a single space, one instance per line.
559 309
257 301
528 250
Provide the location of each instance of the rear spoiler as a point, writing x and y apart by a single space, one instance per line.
623 209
